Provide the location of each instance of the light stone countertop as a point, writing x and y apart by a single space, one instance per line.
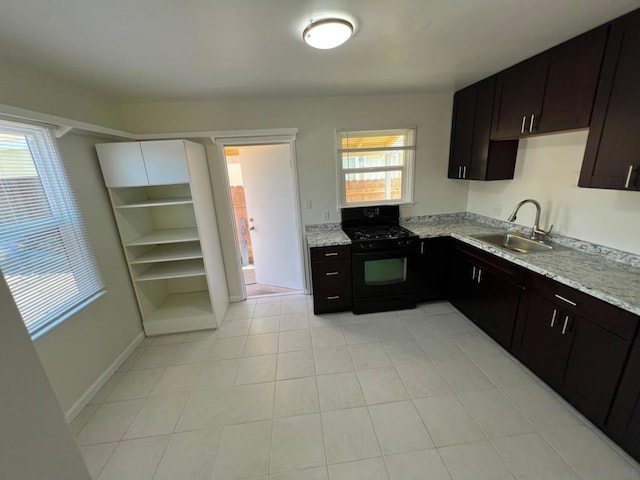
592 269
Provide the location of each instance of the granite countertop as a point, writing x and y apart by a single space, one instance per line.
607 274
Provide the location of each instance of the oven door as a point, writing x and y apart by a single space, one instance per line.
384 273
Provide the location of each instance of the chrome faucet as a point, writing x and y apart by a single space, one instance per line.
536 232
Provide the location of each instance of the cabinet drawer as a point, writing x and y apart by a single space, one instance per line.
607 316
329 275
325 254
327 301
496 265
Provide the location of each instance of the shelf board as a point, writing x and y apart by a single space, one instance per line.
169 235
182 306
161 202
165 270
169 252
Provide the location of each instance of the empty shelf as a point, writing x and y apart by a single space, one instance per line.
170 235
170 252
160 202
183 268
183 306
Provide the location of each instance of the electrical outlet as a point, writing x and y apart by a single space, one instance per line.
496 209
308 204
326 214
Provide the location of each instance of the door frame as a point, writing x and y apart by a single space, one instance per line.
239 140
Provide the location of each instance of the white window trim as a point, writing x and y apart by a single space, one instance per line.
408 169
62 201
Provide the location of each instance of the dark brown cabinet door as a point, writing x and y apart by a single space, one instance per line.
591 363
538 335
612 157
500 299
462 284
434 265
464 109
519 95
473 155
572 79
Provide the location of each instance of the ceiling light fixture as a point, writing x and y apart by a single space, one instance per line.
327 33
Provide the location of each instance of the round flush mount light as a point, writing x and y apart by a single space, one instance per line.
327 33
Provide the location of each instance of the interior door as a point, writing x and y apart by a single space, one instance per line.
267 175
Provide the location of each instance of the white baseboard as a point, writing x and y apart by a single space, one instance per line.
236 298
102 379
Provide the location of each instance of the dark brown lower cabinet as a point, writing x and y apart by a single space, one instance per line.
575 343
331 277
624 421
486 289
434 265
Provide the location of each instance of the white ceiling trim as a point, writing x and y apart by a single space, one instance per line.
64 125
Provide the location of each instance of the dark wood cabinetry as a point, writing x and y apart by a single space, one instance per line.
574 342
331 277
612 157
486 289
434 265
551 92
623 424
473 155
520 91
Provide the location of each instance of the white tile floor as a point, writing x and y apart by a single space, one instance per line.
278 393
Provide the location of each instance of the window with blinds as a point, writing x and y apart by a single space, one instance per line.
44 253
376 166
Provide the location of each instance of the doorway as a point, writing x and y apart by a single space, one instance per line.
264 203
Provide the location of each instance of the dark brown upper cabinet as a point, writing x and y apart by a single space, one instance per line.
551 92
473 155
612 156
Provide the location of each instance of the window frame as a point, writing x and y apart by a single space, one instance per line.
407 169
65 217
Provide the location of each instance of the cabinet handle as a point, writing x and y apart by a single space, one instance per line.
459 172
626 184
335 297
559 297
464 172
473 274
332 254
524 122
566 322
553 319
328 274
479 275
421 247
531 123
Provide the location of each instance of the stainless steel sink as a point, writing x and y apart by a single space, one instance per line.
514 242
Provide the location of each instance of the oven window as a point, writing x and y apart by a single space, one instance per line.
385 272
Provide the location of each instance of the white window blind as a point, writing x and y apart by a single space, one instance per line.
44 254
376 166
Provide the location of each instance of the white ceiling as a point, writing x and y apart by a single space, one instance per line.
142 50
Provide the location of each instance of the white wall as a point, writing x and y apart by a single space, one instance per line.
547 169
34 90
316 120
80 350
35 440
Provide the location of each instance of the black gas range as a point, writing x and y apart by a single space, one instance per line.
384 259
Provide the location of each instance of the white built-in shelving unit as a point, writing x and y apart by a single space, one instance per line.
162 201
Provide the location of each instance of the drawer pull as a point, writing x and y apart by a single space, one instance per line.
559 297
473 274
332 254
328 274
479 276
531 124
464 171
524 122
626 184
335 297
566 322
553 319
